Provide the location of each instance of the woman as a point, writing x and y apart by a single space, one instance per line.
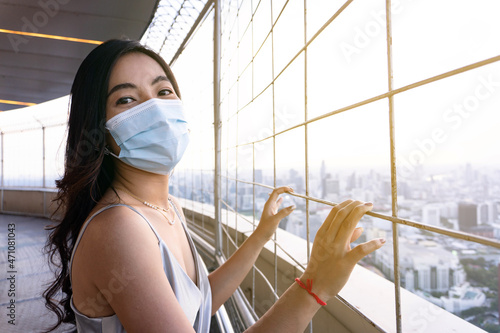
126 260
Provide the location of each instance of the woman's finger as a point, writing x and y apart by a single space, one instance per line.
347 227
360 251
340 220
275 194
329 219
356 233
285 212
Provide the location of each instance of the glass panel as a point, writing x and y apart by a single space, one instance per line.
245 52
244 16
245 163
277 6
349 156
255 122
261 24
26 169
289 96
245 202
232 135
231 170
455 34
288 34
290 160
264 163
337 74
233 101
320 11
448 165
263 68
245 88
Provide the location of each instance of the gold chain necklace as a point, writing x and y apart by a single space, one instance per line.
163 211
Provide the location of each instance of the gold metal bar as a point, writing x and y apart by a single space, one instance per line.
414 224
275 239
387 94
394 184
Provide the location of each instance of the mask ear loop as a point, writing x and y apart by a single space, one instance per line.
109 152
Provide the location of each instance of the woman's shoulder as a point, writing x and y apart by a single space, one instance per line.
115 228
116 216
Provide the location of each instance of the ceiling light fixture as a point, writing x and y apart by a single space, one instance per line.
33 34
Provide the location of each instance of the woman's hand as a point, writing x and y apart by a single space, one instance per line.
332 259
271 218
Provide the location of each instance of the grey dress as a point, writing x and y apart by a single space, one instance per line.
195 300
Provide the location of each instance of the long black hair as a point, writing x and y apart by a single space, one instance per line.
88 171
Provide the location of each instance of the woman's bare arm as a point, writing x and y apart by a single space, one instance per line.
225 279
124 263
331 263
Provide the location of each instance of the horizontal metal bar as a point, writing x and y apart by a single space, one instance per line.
27 129
29 189
418 225
382 96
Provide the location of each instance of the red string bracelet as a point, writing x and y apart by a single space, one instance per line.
309 290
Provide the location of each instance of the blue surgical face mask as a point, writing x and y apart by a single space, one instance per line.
152 136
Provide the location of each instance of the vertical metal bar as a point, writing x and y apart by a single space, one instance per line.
306 134
217 128
2 168
202 189
274 150
394 186
43 156
253 214
236 185
306 150
44 170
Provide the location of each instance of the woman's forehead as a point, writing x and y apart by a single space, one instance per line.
135 66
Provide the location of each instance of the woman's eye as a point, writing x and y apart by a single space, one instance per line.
124 100
164 92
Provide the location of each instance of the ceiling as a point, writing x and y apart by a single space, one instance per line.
38 69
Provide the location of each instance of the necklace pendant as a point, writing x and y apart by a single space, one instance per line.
166 218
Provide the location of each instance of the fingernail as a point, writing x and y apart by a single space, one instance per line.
369 204
292 207
291 189
382 240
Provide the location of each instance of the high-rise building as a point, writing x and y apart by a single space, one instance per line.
431 214
467 215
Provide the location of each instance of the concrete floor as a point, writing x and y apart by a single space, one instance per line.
32 273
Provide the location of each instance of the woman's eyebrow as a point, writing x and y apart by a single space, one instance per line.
122 86
131 85
160 78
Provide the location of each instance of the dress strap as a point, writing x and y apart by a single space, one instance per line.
86 223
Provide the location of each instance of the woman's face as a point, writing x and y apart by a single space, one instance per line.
134 79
